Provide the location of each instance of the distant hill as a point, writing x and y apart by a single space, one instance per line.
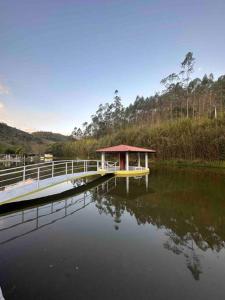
12 138
50 136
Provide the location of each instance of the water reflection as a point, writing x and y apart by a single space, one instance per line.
45 215
187 209
138 179
9 164
190 222
35 217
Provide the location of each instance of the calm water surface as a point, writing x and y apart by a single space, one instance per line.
155 237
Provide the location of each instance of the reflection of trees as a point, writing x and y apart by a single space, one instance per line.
184 246
113 203
192 220
193 264
105 205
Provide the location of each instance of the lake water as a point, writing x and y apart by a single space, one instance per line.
155 237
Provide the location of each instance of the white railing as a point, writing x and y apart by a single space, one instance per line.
45 170
40 171
131 168
111 166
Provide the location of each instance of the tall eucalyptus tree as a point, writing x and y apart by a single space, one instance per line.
187 66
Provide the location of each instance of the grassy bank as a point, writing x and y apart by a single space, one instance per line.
188 163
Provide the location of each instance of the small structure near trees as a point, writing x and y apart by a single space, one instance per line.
123 152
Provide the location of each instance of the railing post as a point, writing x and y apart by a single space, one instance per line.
24 173
72 166
66 168
38 176
84 165
52 169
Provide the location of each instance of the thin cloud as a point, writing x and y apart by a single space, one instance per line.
4 90
2 105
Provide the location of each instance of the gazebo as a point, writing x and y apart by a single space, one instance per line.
123 152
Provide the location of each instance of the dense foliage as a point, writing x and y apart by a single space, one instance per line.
181 139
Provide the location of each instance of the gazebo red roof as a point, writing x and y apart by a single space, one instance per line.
124 148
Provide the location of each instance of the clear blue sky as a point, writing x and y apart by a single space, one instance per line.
60 59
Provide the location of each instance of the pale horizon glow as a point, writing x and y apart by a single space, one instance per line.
59 59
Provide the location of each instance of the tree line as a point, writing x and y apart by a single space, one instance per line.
181 97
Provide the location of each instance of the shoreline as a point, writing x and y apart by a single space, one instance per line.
218 164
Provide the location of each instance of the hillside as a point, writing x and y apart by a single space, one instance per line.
50 136
13 139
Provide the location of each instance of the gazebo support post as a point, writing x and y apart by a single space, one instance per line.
139 159
127 185
127 161
103 160
146 160
146 182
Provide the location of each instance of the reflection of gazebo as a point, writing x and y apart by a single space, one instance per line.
123 151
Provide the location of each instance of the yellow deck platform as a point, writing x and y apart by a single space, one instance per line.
131 172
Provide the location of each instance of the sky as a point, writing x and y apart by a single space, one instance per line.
59 59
